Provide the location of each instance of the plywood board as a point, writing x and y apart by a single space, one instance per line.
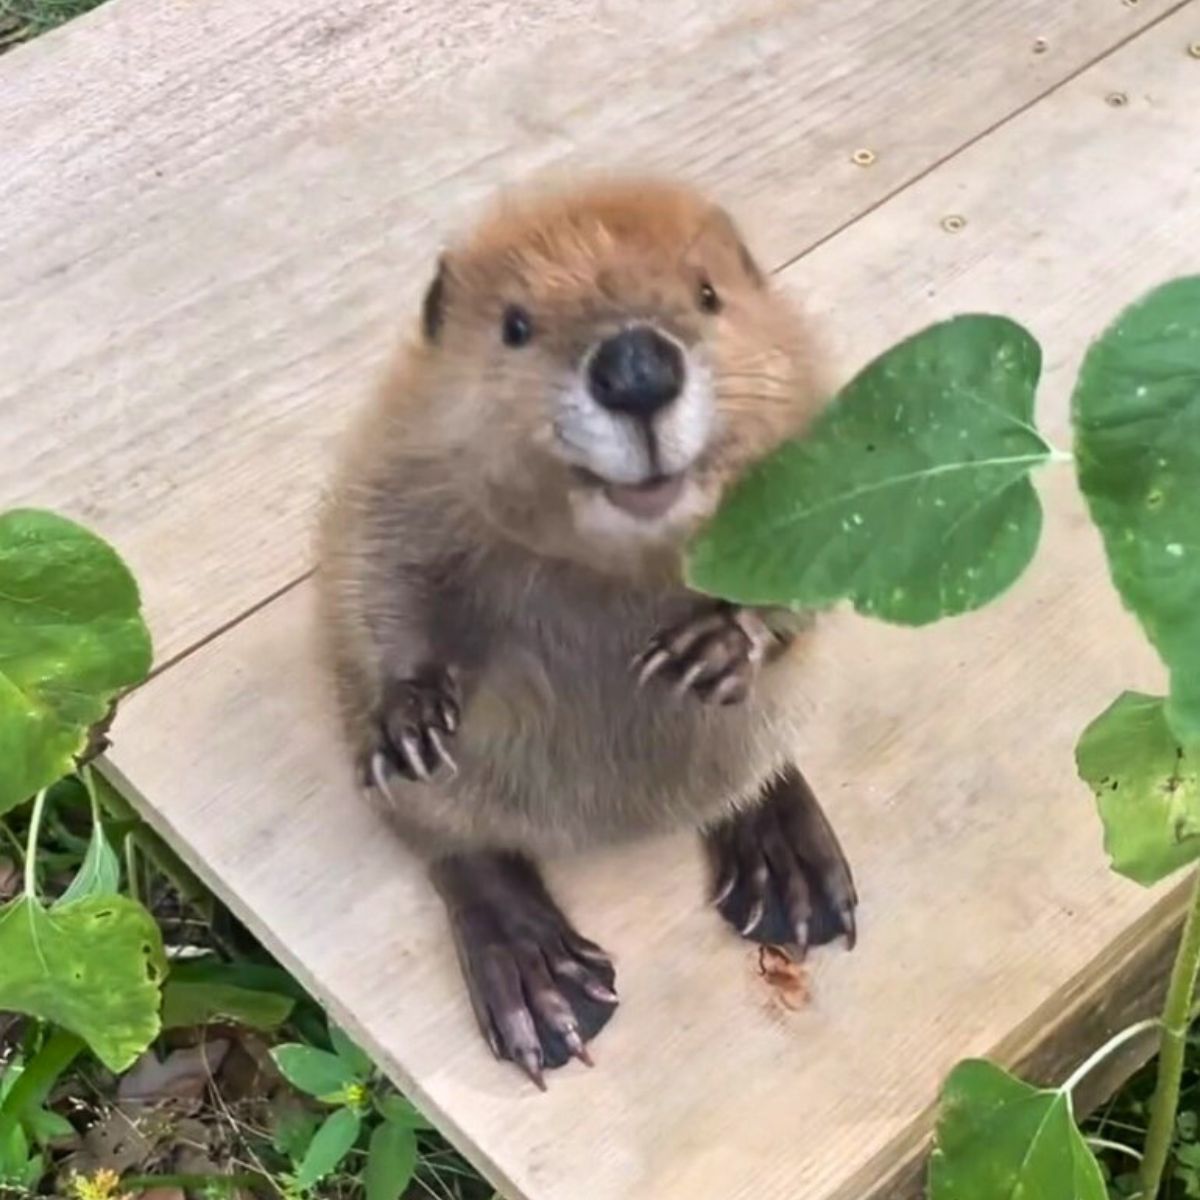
217 215
944 757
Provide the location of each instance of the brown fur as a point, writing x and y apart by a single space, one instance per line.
453 535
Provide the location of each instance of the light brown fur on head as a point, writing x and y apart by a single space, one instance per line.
582 262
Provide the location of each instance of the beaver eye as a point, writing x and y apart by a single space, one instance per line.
707 298
517 326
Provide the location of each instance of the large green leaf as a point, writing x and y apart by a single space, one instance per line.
92 966
910 496
1000 1139
330 1144
71 638
1147 788
391 1161
1136 411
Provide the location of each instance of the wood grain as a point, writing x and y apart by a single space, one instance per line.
217 215
944 756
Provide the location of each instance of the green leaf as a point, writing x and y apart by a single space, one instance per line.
1000 1139
100 872
71 638
910 495
45 1125
1147 788
391 1161
293 1131
357 1060
92 966
1136 412
330 1144
316 1072
399 1110
188 1004
14 1156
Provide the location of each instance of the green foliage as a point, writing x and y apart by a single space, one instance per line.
314 1072
186 1004
92 966
71 638
1136 411
100 872
910 496
1000 1139
391 1161
1147 788
330 1144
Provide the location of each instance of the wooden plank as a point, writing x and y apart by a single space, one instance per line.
944 756
216 215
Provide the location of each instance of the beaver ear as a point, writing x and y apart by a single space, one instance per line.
433 307
726 227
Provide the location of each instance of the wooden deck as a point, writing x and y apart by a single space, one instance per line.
216 217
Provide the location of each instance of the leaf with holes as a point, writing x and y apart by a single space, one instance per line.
1136 412
1000 1139
1147 788
92 966
71 638
909 496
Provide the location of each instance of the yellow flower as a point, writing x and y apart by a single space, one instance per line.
103 1184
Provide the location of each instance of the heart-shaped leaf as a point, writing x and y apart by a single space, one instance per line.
910 495
1136 411
330 1144
1000 1139
92 966
71 638
1147 788
391 1161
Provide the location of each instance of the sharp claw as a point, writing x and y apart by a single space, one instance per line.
599 991
849 926
440 750
723 892
689 678
494 1042
577 1048
531 1063
655 663
802 938
725 691
412 751
379 774
449 716
756 915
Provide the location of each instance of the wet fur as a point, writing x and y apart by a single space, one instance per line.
455 537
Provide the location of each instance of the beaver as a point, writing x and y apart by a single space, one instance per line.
519 665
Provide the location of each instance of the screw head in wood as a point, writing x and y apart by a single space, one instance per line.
1116 99
1194 49
1040 46
954 223
863 158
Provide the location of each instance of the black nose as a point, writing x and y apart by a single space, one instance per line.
637 371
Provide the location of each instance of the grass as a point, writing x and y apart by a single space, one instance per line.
21 20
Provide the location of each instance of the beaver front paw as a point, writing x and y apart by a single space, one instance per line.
715 654
416 719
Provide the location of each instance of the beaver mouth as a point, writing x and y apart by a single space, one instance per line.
646 500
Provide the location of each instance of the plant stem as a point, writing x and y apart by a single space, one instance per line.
195 1182
35 826
1113 1044
1097 1143
131 867
34 1083
1165 1101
